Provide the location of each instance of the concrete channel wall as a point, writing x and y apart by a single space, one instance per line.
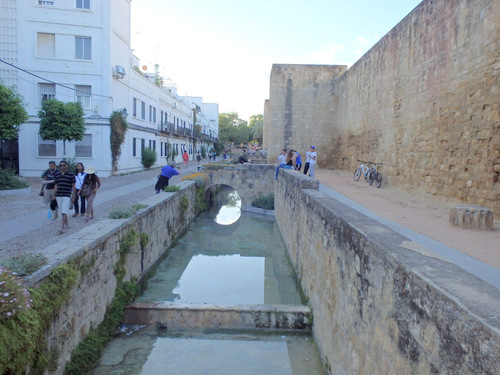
383 304
96 249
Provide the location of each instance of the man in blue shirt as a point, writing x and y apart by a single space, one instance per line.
167 172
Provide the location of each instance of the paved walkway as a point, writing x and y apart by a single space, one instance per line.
25 226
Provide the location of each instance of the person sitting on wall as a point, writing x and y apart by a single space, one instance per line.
242 159
167 172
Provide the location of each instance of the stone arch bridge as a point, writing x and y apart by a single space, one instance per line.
249 180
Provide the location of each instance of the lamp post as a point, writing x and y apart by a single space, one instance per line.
124 113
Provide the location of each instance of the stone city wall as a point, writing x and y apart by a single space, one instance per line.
96 249
423 101
381 303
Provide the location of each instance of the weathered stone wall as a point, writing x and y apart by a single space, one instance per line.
96 248
249 180
423 100
381 303
300 107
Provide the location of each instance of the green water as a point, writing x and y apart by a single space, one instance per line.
243 263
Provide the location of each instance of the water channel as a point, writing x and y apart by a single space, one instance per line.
229 258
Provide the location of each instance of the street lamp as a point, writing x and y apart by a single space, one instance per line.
124 113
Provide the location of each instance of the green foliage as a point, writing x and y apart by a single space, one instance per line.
24 264
200 201
219 146
144 239
119 128
233 129
148 158
89 350
22 341
171 188
266 202
126 245
9 180
14 297
61 121
124 212
203 152
256 124
184 206
12 114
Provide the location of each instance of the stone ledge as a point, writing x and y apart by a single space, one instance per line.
187 315
471 216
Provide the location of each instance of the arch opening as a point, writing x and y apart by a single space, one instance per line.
225 204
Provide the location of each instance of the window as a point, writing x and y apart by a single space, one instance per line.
154 145
46 91
83 148
83 47
154 115
134 147
161 118
161 148
143 145
46 148
143 110
134 107
83 4
83 95
45 45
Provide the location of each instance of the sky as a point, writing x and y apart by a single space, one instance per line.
224 50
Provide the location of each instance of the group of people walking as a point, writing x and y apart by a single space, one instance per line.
293 160
65 190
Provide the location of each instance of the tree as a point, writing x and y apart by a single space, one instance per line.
256 123
12 113
61 121
119 128
233 129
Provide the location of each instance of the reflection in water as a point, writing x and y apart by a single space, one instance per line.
213 263
231 211
225 279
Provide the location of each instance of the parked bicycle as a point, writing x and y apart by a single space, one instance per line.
362 169
375 175
370 174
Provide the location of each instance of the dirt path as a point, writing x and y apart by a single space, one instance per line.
427 216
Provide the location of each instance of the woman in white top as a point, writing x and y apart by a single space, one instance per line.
79 177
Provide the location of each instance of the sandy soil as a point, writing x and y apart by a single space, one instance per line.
428 216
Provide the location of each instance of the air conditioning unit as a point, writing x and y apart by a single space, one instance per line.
119 72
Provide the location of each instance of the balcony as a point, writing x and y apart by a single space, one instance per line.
45 3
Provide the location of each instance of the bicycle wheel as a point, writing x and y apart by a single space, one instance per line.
370 177
357 174
379 180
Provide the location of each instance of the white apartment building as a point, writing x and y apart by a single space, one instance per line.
79 50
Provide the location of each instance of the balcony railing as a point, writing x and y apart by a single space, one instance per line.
45 2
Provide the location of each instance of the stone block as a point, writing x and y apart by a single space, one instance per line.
471 216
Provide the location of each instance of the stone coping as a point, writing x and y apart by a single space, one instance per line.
23 191
196 315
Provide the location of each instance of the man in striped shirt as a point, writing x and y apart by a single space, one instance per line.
64 191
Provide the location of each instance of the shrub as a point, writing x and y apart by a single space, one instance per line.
24 264
148 158
124 212
9 180
266 202
171 189
199 178
14 297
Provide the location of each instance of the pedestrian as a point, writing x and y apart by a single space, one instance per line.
185 158
64 191
79 200
48 176
311 158
289 158
91 184
167 172
297 160
198 157
280 162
